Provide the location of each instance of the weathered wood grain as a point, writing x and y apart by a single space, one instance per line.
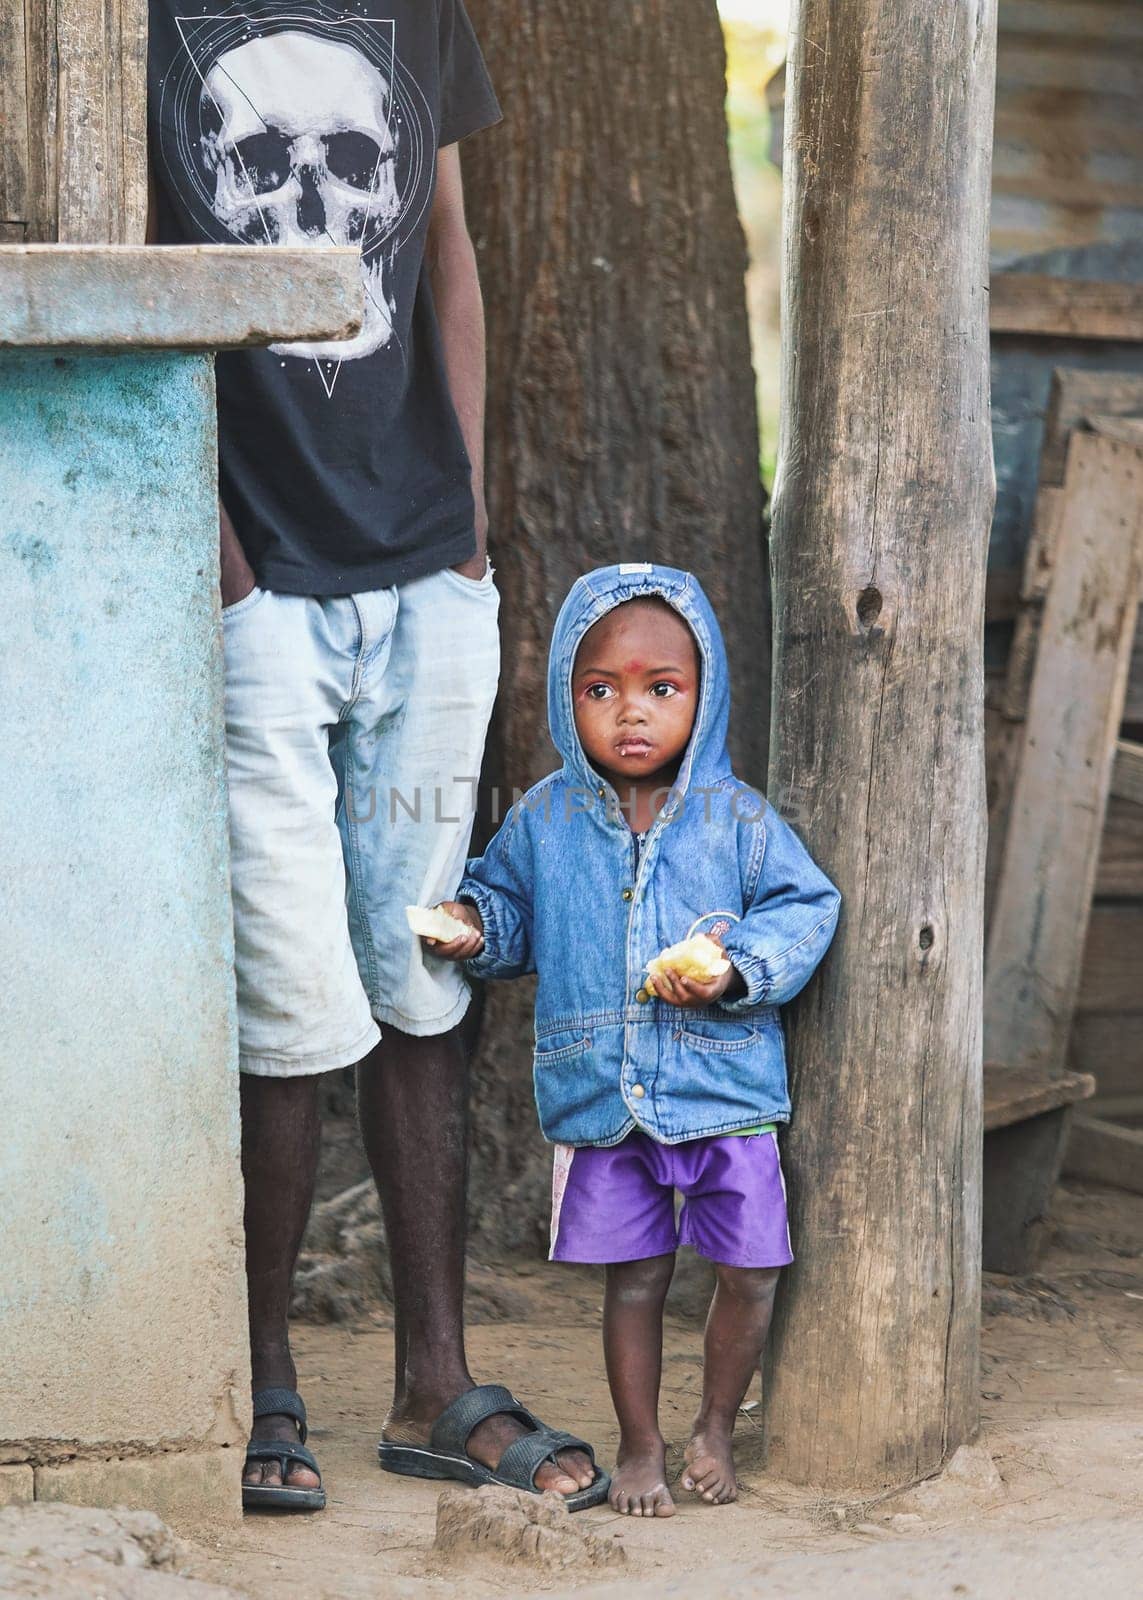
878 559
84 93
1066 308
13 119
1045 882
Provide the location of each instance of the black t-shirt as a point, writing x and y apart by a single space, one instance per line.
298 122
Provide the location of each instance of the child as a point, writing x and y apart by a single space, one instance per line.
651 1085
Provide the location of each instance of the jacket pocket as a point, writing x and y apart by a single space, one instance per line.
549 1051
721 1037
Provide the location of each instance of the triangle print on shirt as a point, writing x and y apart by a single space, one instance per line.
300 126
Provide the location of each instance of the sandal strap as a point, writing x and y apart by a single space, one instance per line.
525 1456
454 1426
282 1403
281 1452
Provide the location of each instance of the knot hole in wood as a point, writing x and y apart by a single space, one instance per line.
868 606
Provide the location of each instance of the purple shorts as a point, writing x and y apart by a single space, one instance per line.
618 1204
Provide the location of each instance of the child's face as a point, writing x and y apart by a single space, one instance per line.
635 691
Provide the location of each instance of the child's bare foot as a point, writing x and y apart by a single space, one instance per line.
710 1466
639 1484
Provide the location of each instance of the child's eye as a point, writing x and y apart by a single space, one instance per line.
664 690
597 691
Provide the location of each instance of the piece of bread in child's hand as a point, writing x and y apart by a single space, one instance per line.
699 958
430 922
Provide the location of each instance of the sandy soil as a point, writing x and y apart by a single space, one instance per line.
1061 1444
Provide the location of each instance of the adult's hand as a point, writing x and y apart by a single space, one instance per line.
237 575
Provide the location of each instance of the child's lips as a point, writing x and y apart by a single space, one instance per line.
633 746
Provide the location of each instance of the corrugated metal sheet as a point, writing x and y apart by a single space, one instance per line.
1068 159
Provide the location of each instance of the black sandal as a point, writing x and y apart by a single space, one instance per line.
280 1496
445 1456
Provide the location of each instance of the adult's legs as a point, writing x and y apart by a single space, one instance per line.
412 1101
633 1302
281 1133
736 1331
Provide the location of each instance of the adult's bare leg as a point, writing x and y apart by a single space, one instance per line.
412 1103
281 1136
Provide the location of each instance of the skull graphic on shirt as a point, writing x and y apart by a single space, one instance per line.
299 142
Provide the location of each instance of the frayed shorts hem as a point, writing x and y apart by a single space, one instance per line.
423 1027
280 1066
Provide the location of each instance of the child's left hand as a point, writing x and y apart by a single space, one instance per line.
676 990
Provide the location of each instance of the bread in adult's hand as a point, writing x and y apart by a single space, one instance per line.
430 922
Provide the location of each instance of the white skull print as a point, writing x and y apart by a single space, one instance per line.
299 142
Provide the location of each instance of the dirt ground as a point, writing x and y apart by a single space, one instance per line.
1061 1447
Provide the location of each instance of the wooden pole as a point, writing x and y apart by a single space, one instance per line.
882 509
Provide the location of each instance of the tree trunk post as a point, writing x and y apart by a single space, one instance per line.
882 511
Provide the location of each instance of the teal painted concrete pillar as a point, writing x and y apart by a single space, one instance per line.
124 1369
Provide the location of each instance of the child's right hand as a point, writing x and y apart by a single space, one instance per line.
465 945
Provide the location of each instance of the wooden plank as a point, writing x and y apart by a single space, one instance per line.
1071 308
1110 19
1127 773
1120 872
13 116
86 117
1111 974
1075 395
1015 1094
1109 1045
1128 430
1045 880
1103 1152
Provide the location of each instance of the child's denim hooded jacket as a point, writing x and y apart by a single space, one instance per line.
560 894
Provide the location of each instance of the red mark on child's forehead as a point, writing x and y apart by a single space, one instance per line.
633 666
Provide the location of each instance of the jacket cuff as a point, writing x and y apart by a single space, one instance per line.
754 975
483 965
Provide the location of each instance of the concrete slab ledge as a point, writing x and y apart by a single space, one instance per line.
175 297
188 1489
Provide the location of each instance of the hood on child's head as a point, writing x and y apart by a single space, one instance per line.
592 597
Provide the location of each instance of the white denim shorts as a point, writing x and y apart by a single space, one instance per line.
355 728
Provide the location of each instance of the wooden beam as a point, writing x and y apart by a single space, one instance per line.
1104 1152
1044 886
1066 308
878 556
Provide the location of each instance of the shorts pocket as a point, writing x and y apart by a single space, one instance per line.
483 585
247 603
